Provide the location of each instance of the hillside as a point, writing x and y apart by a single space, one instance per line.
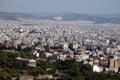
65 17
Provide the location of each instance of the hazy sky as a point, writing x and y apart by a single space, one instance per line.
53 6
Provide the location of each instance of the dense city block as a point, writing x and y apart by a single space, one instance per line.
59 50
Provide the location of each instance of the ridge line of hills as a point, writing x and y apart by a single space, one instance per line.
65 17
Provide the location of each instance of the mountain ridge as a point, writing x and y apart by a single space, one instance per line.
65 16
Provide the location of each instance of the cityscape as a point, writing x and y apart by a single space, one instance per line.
59 46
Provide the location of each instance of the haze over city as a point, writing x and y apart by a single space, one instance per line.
53 6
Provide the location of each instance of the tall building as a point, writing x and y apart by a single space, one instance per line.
114 66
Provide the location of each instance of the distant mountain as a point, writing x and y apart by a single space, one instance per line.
108 15
77 16
62 16
14 16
